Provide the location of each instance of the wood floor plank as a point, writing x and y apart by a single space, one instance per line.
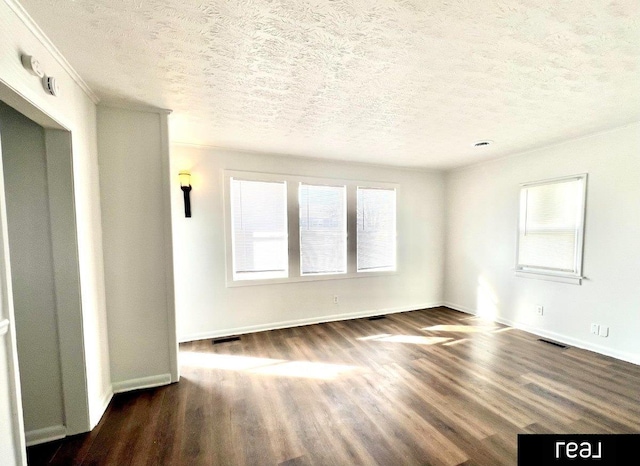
430 387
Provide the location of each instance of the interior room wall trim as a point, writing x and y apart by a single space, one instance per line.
136 107
47 434
172 322
560 338
52 49
140 238
301 322
105 400
142 382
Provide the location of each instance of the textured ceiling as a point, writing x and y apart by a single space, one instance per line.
401 82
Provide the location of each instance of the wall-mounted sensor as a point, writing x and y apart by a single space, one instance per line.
50 85
32 65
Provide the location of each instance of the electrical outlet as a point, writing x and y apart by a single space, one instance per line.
539 309
595 329
335 299
603 331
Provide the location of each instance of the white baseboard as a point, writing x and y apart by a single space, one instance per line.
106 399
142 382
48 434
560 338
457 307
104 404
301 322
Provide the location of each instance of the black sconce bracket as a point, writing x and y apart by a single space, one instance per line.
187 200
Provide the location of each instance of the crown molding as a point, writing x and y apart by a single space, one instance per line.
135 107
28 21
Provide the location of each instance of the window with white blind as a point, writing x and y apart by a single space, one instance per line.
551 227
289 228
376 229
259 229
323 229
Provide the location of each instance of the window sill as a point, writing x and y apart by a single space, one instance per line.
309 278
572 280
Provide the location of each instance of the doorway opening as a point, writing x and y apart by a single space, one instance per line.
44 276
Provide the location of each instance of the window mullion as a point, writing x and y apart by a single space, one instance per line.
293 221
352 229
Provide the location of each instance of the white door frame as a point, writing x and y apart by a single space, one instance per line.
8 341
66 265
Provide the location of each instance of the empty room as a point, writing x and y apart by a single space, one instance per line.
319 232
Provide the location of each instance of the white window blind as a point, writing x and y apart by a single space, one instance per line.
376 229
323 229
551 226
259 229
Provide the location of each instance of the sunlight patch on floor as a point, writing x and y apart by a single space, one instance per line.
375 337
500 330
451 343
305 369
460 328
223 361
265 366
414 339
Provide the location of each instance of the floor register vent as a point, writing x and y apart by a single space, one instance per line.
554 343
215 341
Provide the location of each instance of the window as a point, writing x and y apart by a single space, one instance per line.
376 229
259 229
289 228
551 227
323 229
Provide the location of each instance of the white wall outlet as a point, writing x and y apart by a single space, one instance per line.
603 331
595 329
335 299
539 309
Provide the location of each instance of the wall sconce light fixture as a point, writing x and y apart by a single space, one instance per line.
185 185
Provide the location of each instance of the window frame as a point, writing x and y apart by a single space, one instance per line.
395 226
293 225
261 275
542 273
346 231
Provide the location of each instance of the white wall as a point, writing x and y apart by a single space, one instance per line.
73 110
137 246
482 211
25 173
205 307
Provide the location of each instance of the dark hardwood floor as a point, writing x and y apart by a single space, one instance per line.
430 387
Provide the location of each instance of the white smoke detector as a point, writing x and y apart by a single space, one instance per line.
50 85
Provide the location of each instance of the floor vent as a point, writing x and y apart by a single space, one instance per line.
559 345
224 340
377 317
